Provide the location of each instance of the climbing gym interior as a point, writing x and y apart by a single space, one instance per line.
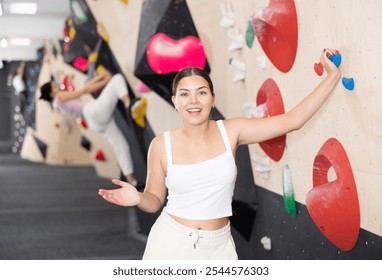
314 193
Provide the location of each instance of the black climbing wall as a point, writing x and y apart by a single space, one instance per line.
86 36
18 111
6 102
172 18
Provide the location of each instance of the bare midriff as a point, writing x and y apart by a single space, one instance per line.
213 224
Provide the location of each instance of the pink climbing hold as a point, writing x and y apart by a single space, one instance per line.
81 64
142 88
166 55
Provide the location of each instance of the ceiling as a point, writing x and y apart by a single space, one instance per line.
47 23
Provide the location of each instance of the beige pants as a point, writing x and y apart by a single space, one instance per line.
169 239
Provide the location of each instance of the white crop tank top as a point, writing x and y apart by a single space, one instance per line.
204 190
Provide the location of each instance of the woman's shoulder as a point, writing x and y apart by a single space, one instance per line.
157 147
159 140
234 121
233 126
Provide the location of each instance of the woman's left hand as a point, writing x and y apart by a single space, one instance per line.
329 66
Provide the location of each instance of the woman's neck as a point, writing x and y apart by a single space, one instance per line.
196 132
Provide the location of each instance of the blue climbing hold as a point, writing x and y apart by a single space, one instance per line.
336 59
348 83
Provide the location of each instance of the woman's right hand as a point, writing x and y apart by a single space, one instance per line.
127 195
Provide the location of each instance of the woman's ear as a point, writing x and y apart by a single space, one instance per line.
173 102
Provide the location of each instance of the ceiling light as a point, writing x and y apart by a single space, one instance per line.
3 43
23 8
20 41
1 9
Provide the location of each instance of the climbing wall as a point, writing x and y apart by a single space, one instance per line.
56 135
63 140
350 175
350 116
263 58
121 23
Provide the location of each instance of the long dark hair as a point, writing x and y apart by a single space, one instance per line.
191 71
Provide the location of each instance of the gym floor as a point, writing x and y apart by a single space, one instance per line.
54 212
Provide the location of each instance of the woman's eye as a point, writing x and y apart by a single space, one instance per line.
202 92
183 93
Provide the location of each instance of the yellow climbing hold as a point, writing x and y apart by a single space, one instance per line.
100 68
93 57
138 111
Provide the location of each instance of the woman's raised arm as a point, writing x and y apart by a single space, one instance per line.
251 131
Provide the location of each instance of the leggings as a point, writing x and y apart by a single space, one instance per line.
99 116
169 239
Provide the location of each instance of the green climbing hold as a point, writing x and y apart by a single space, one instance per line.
249 33
289 201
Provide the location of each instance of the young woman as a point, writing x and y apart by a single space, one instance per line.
195 165
99 113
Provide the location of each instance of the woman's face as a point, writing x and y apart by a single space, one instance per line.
193 99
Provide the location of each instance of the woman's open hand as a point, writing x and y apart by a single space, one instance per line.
126 195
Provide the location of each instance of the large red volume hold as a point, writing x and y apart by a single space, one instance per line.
269 94
334 205
276 29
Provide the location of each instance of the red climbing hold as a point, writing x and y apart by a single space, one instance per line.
84 123
100 156
318 68
269 94
334 205
277 32
67 83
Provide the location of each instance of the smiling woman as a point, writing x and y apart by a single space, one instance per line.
193 98
195 165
